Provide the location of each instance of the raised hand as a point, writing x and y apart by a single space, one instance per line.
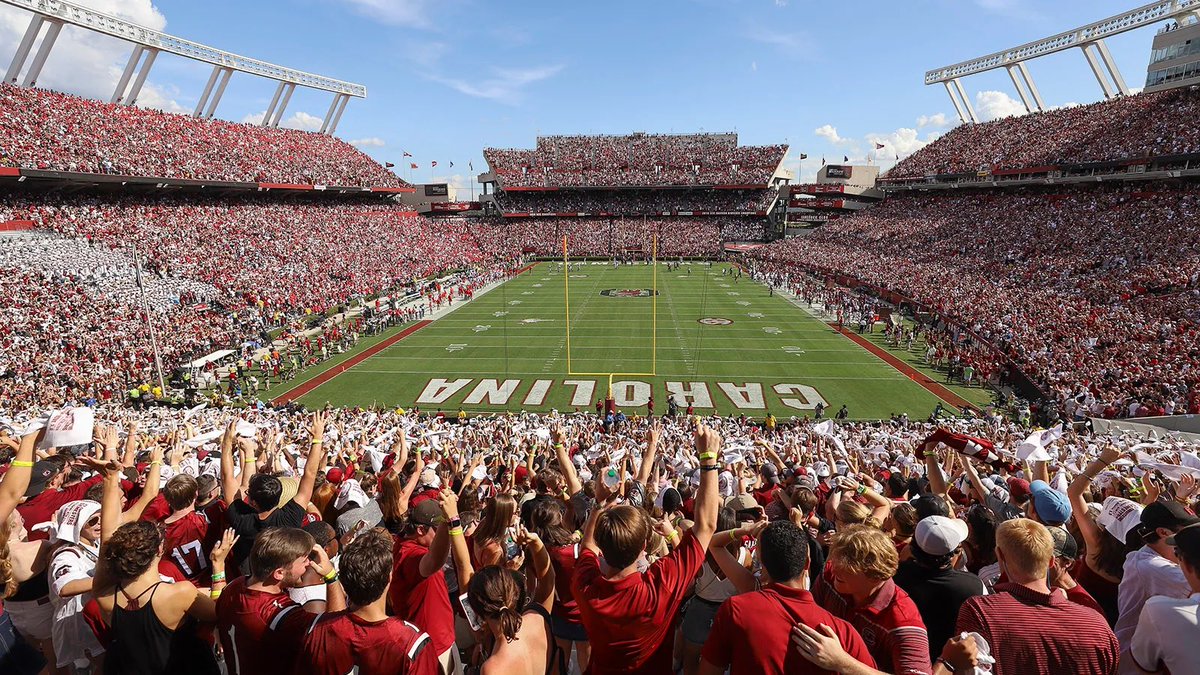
653 434
317 426
221 551
449 502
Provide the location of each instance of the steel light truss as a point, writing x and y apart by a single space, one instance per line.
100 22
1089 39
1113 25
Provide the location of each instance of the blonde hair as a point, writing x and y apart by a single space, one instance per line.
853 513
1027 547
8 580
862 549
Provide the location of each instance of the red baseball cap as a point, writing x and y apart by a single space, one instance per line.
1018 488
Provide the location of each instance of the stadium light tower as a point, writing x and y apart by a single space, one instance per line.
147 43
1089 39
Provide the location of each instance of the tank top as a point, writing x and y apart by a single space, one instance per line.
712 588
142 645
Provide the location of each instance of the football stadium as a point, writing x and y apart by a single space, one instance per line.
389 336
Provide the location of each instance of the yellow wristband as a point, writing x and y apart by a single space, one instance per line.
215 593
158 463
19 464
456 532
674 536
316 442
708 455
331 576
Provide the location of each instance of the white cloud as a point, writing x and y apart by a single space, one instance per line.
991 105
902 141
298 120
87 63
372 142
506 85
458 180
936 120
829 133
413 13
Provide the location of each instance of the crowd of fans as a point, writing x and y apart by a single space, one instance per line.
279 256
636 202
1094 293
636 160
43 129
677 236
1130 127
392 541
211 273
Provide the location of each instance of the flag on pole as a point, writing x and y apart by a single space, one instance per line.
388 165
803 156
408 154
879 146
822 161
845 158
433 163
471 165
413 165
451 165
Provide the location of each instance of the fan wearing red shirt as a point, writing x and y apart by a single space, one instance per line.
1031 627
364 639
187 535
260 626
857 586
45 493
418 593
630 615
750 631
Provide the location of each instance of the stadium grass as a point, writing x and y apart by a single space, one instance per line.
517 332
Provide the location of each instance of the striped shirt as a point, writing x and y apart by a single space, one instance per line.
889 623
1033 632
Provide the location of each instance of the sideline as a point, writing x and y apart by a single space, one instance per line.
908 371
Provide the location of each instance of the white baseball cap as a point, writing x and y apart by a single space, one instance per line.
939 535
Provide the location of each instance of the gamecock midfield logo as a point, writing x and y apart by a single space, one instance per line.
628 292
715 321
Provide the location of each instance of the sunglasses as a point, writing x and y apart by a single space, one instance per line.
93 522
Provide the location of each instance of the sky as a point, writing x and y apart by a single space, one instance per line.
446 78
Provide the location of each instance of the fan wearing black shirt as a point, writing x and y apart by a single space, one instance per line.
929 577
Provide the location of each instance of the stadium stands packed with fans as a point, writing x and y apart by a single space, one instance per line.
43 129
1092 291
140 535
636 160
637 202
1129 127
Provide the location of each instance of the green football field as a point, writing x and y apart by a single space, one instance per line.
722 344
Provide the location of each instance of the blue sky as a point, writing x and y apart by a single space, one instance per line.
447 77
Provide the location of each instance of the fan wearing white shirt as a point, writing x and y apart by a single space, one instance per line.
1167 627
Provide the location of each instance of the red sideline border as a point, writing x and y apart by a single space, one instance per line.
333 372
908 371
309 386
